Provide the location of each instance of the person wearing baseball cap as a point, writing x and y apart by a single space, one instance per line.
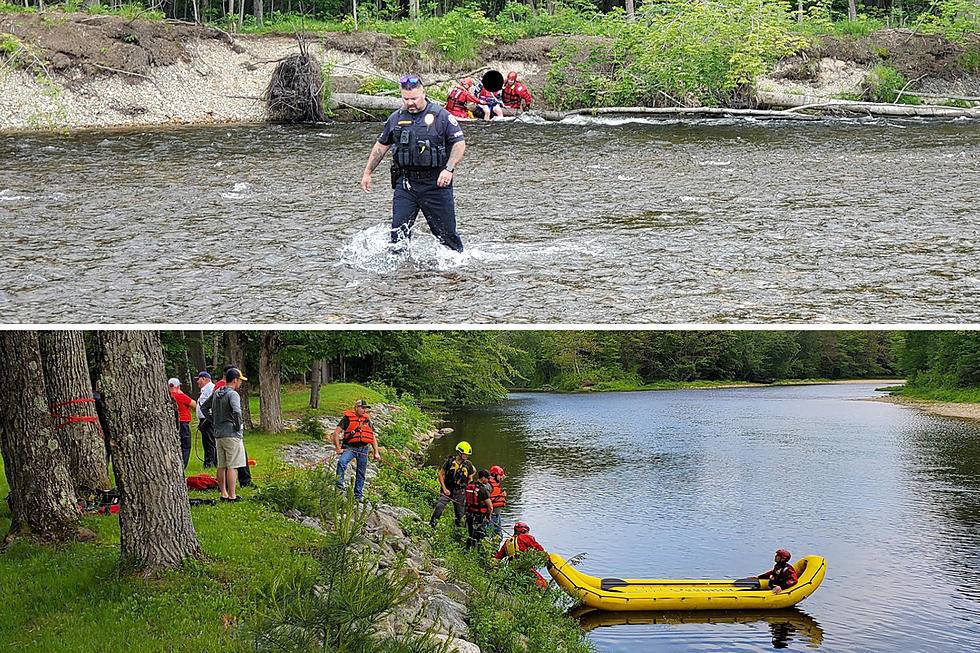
204 425
359 437
184 404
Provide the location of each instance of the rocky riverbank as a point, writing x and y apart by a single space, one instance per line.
439 603
66 71
942 408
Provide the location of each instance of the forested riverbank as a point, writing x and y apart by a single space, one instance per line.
111 67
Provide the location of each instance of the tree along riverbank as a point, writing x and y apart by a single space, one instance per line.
64 71
271 559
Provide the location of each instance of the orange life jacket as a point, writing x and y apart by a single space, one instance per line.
358 431
473 501
497 495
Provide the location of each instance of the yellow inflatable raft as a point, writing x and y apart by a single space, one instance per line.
631 594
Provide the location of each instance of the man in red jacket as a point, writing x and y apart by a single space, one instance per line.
783 575
514 93
184 405
522 540
461 95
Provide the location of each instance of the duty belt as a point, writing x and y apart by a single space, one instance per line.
420 173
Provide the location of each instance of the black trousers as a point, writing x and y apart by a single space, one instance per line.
456 495
184 429
437 205
475 528
207 443
245 473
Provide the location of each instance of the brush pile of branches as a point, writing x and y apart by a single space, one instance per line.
295 92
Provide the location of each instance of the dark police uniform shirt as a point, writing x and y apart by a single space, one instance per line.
444 124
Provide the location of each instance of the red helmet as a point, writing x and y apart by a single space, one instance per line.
497 470
520 527
466 81
783 555
512 76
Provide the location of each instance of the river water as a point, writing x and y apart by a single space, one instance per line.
593 221
708 483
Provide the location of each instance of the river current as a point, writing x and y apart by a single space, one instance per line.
590 221
708 483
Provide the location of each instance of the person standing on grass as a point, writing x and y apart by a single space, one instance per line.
224 409
204 425
184 405
359 437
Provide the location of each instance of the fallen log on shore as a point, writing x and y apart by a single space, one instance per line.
795 105
871 109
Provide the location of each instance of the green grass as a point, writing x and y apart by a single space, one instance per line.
955 395
75 598
334 399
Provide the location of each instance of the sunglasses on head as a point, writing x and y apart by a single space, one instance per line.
410 81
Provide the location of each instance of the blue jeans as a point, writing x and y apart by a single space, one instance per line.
361 453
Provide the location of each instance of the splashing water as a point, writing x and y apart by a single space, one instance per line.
371 251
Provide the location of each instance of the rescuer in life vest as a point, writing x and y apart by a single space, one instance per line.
359 438
454 475
521 540
783 575
460 96
514 93
478 508
498 497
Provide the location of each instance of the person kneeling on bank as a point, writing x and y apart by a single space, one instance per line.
521 540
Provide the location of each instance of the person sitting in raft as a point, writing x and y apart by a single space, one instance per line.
514 94
521 540
491 100
460 95
783 575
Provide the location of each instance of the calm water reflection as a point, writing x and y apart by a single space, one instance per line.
707 483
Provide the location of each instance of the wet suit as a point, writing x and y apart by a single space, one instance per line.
416 170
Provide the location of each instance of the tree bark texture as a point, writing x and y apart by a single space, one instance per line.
316 372
69 392
270 383
237 343
42 500
155 524
195 351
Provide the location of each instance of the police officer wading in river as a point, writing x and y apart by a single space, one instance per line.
428 144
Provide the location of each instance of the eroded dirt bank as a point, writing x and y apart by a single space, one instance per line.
80 70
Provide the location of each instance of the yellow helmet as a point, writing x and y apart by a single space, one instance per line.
464 447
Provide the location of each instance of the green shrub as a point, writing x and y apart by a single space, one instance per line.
884 84
311 426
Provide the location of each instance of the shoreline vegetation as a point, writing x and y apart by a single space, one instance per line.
627 386
272 558
70 67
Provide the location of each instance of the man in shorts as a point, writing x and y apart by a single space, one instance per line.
224 409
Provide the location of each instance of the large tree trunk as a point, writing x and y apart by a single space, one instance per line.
270 383
42 501
852 12
316 376
237 342
69 392
195 352
156 530
630 10
413 10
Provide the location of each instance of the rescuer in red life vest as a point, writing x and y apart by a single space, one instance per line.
478 508
498 497
515 93
358 433
522 540
783 575
459 96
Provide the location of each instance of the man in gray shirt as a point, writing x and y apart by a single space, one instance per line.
224 409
